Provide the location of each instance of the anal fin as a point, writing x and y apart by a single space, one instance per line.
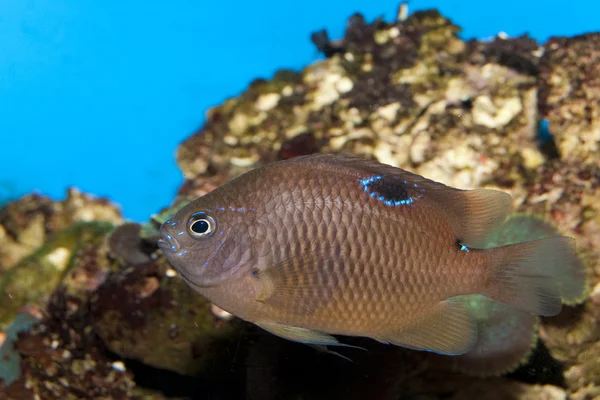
449 328
506 338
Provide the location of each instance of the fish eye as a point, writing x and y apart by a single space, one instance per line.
201 225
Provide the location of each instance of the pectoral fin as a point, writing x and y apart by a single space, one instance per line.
300 335
314 339
447 329
300 284
324 349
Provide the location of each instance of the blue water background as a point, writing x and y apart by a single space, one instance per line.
98 94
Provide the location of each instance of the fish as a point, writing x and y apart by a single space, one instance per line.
333 244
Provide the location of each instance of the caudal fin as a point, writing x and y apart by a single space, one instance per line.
536 276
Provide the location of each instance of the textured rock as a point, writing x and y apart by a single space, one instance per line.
26 224
61 359
569 85
44 239
149 314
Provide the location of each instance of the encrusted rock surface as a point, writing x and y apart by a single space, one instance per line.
41 240
569 87
410 94
26 224
148 313
509 114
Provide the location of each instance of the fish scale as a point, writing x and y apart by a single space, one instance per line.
330 244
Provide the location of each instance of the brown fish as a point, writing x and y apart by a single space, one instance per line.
333 244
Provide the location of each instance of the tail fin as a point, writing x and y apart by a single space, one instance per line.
533 276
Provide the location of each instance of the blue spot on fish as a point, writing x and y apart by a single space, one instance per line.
461 246
182 253
387 190
180 233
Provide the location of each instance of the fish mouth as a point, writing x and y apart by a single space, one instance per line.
167 242
163 244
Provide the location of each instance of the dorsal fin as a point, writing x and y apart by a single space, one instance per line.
473 214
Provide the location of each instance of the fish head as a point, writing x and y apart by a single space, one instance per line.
208 241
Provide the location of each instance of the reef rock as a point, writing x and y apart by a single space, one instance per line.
40 240
148 313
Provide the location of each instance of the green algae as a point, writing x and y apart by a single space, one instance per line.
35 277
